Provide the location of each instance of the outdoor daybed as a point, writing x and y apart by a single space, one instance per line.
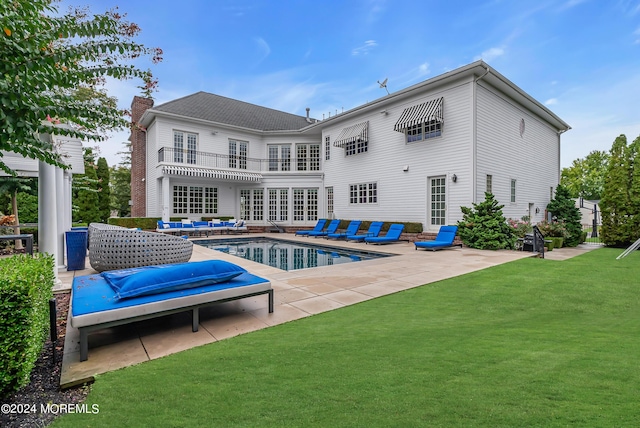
122 297
113 247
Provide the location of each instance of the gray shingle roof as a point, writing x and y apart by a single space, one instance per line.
215 108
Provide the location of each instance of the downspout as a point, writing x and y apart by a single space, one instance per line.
559 133
474 178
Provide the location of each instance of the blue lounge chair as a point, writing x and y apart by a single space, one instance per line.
444 239
393 235
352 229
318 228
333 226
374 230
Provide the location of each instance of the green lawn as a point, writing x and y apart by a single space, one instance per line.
529 343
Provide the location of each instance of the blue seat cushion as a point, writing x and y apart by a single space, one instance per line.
162 278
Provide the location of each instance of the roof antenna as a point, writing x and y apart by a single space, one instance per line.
384 84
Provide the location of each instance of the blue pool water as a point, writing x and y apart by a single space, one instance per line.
288 255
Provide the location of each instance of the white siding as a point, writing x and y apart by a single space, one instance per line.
402 195
504 154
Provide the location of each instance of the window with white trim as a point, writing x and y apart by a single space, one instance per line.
179 148
489 184
305 204
278 204
238 154
279 157
327 148
252 204
356 147
363 193
195 200
423 131
329 192
180 199
308 157
513 190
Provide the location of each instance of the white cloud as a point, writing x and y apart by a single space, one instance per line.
364 49
551 101
490 54
263 48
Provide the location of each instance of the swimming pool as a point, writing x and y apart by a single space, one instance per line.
288 255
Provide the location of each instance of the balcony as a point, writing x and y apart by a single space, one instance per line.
228 167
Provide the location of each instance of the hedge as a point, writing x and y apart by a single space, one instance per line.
150 223
26 285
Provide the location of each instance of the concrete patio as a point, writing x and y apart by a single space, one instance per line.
298 294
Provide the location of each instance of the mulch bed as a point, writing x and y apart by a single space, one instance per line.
44 387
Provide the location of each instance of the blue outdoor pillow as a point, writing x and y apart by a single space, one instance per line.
162 278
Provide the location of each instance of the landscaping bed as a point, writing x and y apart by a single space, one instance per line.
44 387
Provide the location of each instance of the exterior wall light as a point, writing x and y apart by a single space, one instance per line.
454 178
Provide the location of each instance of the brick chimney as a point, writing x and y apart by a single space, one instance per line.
139 157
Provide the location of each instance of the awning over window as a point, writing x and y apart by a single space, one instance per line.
212 173
352 134
425 112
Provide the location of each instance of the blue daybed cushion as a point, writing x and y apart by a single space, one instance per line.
162 278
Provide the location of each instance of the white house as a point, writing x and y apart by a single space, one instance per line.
416 155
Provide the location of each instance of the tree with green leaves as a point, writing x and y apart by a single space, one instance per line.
121 190
48 57
585 177
484 226
616 207
104 190
564 209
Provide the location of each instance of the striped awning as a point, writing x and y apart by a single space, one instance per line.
421 113
352 134
212 173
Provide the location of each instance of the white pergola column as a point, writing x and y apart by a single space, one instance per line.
60 216
67 188
47 214
166 199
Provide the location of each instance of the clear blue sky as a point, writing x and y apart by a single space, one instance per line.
581 58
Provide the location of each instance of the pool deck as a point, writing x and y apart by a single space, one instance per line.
298 294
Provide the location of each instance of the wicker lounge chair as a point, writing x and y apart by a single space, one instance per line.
444 239
374 230
393 235
113 247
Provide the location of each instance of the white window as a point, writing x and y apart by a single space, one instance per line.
308 157
327 148
363 193
437 203
513 190
179 149
305 204
195 200
180 200
238 154
329 191
252 204
278 204
489 184
423 131
279 157
356 147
